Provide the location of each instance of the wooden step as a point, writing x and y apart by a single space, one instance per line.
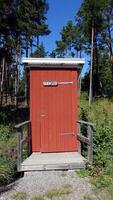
53 161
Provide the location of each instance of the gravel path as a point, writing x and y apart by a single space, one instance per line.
38 183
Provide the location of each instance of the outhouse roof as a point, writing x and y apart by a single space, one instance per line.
75 63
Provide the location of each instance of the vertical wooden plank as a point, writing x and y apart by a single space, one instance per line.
79 143
90 147
75 106
19 150
35 112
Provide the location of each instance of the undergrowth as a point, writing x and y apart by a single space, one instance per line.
101 114
9 116
8 143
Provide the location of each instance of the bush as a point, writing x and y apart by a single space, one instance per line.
5 132
3 117
101 114
103 134
7 170
8 145
8 141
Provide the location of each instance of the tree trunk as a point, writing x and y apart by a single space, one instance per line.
15 88
110 42
2 78
96 79
12 87
110 37
77 53
31 40
80 54
27 42
37 41
91 68
16 75
6 83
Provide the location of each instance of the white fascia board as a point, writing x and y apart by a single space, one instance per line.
53 61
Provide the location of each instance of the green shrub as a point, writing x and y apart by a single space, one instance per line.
101 114
103 134
7 170
5 132
3 117
8 144
8 141
105 178
83 107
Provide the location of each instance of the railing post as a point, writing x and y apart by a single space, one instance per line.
79 143
19 146
21 142
90 146
29 142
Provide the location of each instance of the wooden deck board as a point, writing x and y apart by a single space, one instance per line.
53 161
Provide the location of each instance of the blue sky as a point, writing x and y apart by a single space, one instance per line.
60 11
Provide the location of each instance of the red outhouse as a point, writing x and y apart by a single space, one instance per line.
54 103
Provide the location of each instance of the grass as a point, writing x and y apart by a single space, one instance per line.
65 190
38 198
19 196
87 197
82 173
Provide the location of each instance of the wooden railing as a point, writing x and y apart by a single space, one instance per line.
88 139
21 141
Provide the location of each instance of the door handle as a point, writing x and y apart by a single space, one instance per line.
42 115
56 83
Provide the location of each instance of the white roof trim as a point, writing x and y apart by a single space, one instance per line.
51 62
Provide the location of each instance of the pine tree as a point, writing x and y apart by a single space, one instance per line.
21 22
40 52
91 18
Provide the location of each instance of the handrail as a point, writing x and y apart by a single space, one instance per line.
87 123
22 124
87 140
21 141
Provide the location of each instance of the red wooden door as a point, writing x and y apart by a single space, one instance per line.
54 117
